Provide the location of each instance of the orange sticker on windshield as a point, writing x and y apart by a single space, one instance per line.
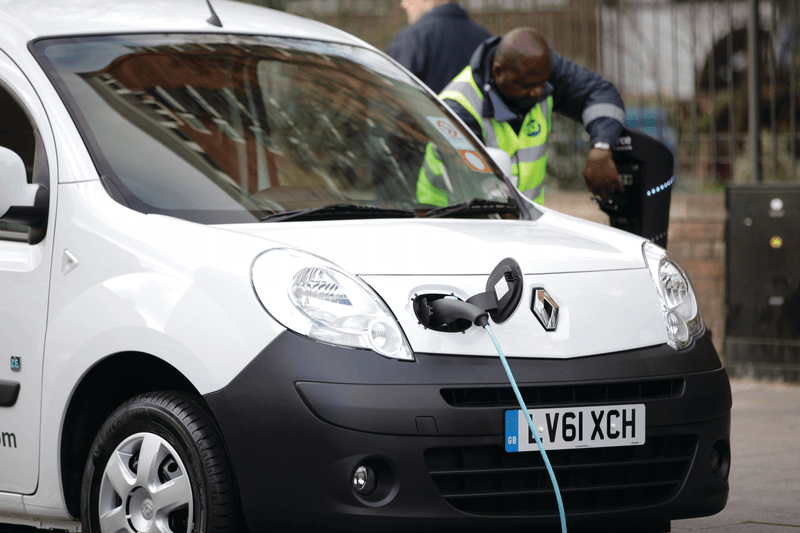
447 128
475 161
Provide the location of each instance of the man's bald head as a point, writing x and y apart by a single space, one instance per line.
520 47
521 67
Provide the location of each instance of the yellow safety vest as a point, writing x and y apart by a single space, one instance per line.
528 149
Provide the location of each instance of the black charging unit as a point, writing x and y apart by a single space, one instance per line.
646 169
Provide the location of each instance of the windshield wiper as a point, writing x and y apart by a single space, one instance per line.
339 211
476 206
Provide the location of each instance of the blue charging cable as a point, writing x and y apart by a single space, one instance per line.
530 424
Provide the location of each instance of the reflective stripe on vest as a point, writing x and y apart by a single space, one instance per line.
528 149
460 90
602 110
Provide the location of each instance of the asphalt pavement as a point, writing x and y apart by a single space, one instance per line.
765 465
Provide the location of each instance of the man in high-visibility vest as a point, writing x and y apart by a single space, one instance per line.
507 95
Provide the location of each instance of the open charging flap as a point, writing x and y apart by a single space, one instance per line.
501 298
503 291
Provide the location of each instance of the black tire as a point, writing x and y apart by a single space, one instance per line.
188 484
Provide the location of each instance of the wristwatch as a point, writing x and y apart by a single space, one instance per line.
602 145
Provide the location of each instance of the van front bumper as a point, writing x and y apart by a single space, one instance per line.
303 416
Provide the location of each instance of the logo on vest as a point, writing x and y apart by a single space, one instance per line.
533 128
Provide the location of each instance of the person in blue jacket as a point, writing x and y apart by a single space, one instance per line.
438 43
506 96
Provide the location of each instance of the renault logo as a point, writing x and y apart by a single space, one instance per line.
545 309
147 509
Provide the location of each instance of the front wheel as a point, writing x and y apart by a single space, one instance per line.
158 464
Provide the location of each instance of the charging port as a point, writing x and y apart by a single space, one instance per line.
426 316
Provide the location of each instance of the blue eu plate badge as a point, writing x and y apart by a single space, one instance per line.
512 431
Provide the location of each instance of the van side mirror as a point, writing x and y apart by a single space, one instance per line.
20 202
503 160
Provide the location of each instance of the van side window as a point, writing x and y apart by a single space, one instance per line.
18 134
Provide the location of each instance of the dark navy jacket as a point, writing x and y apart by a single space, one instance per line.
439 45
578 93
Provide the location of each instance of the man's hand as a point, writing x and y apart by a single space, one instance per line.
601 173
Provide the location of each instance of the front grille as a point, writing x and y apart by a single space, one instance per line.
487 480
564 394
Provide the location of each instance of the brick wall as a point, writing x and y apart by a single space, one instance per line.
696 240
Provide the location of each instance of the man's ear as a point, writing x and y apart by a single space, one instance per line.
497 71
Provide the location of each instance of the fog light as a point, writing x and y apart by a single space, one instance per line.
365 480
720 460
716 461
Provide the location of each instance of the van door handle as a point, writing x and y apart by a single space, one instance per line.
9 390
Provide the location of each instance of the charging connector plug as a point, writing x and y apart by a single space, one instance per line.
447 310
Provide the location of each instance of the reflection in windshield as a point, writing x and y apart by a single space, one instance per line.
229 129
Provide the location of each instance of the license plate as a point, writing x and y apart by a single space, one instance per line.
576 427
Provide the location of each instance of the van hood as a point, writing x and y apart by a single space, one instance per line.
555 243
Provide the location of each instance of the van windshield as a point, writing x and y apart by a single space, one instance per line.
235 129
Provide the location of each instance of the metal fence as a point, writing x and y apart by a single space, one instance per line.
715 81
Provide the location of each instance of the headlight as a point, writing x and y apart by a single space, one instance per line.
315 298
681 313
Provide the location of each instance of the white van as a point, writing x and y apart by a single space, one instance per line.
227 304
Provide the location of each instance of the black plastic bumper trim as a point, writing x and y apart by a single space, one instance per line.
303 415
